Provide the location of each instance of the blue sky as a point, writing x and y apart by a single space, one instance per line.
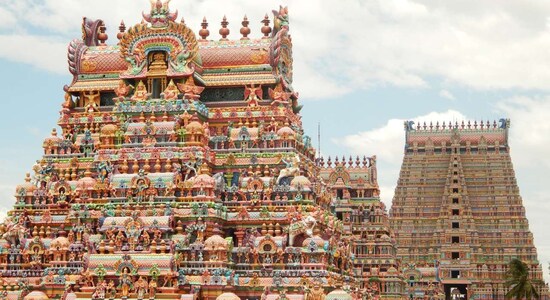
361 67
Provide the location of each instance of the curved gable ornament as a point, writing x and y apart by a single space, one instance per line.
281 49
339 172
161 34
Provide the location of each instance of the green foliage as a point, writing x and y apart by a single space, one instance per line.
517 279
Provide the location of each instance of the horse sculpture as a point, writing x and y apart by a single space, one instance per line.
304 226
15 233
292 168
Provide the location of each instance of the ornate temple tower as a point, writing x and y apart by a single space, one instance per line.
457 212
181 171
356 201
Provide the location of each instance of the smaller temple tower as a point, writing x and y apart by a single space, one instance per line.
356 201
457 212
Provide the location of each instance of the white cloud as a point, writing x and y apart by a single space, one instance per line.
8 19
388 142
529 144
446 94
400 43
530 149
8 200
530 130
42 52
351 45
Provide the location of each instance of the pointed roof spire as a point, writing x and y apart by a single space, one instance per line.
266 29
121 30
224 31
245 31
204 32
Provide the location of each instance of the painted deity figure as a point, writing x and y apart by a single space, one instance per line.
99 292
122 90
253 94
152 288
316 293
141 93
171 92
91 101
146 239
119 240
292 168
278 95
141 288
111 290
125 283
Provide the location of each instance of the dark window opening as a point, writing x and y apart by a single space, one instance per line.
455 200
455 190
455 180
107 99
156 88
339 193
455 255
456 212
456 225
455 239
223 94
455 274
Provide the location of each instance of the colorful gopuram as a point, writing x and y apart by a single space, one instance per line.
457 212
356 202
181 171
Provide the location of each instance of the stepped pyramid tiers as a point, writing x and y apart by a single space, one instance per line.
181 171
355 191
457 212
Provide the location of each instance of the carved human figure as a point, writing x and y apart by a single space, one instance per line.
125 283
316 293
119 240
292 168
140 287
91 101
141 93
253 94
100 289
171 92
122 90
111 290
145 239
152 288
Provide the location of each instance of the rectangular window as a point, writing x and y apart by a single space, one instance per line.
456 225
455 239
456 212
455 255
455 200
455 190
455 274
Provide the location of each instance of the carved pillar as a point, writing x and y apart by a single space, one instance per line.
240 235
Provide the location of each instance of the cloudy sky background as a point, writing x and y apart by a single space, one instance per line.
361 67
